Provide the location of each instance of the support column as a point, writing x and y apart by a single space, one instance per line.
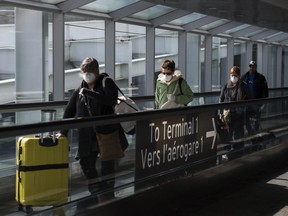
279 75
110 48
31 60
58 57
230 61
182 53
150 61
206 78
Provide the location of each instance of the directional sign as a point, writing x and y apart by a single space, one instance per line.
174 141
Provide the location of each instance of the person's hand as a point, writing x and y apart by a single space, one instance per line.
170 97
58 135
81 91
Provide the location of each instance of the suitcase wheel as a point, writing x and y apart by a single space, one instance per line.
25 208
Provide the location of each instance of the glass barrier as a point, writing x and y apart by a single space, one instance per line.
167 145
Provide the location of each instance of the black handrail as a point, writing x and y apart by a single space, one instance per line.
66 124
4 108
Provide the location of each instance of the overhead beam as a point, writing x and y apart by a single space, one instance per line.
130 9
224 27
246 31
31 5
263 35
175 14
199 22
69 5
280 37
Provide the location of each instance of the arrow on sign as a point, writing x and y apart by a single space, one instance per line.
212 134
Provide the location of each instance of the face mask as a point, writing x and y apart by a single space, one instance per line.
168 77
234 79
89 77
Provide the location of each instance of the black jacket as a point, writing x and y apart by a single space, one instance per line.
260 85
101 102
235 92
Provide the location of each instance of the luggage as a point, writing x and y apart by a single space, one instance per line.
42 171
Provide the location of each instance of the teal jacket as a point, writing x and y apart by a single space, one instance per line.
163 88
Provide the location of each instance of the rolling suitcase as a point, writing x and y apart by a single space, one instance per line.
42 171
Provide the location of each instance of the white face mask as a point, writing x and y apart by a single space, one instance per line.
234 79
168 77
89 77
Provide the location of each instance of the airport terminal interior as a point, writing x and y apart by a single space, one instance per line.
178 161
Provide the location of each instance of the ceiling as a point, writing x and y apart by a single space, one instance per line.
255 20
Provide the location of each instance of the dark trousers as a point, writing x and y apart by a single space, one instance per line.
253 122
88 165
236 128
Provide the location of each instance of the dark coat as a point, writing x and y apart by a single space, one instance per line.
260 84
235 92
231 92
101 102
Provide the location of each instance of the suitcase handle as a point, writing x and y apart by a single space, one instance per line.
48 142
52 113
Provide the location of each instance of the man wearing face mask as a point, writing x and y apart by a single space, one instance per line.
171 89
91 97
235 90
258 89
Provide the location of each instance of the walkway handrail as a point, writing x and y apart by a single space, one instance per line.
67 124
4 108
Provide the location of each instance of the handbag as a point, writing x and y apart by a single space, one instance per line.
109 146
171 103
226 116
125 105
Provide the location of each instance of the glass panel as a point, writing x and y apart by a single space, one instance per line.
152 12
166 47
284 72
130 64
50 1
240 55
83 38
272 66
186 19
238 28
107 6
219 63
255 32
214 24
193 63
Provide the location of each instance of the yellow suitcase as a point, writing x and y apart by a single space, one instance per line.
42 171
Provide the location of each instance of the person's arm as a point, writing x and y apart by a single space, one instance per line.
222 94
109 98
264 88
70 110
156 97
187 94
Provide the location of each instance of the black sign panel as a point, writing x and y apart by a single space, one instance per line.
167 143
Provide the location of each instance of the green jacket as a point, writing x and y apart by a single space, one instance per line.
163 88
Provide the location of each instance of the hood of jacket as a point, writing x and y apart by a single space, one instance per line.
177 74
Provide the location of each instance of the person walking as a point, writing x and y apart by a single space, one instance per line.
258 89
235 90
92 99
172 90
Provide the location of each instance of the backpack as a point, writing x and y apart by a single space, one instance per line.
180 81
124 105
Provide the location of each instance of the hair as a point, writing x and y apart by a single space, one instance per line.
89 65
235 70
169 65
